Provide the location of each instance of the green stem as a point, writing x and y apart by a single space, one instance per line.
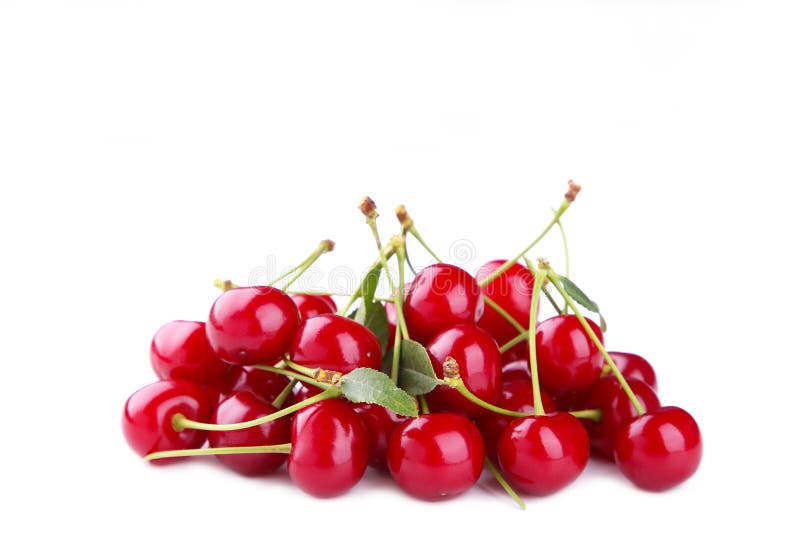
566 247
519 338
302 369
285 392
502 481
459 386
283 448
422 242
594 414
539 278
324 246
398 341
558 309
590 332
423 404
291 374
398 295
387 252
180 422
503 313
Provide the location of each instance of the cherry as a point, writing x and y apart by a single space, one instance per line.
312 305
264 384
660 449
478 360
567 358
180 350
542 454
520 351
252 325
512 291
608 395
330 448
147 416
244 406
517 370
380 422
336 343
436 456
441 296
517 396
633 366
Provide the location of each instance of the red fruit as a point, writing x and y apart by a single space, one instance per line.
147 416
180 350
244 406
542 454
512 291
265 385
517 370
633 366
520 351
336 343
436 456
312 305
566 356
660 449
380 422
441 296
478 359
252 325
330 448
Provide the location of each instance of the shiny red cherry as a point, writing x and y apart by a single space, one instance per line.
441 296
520 351
244 406
517 370
660 449
336 343
252 325
540 455
147 417
380 422
265 385
566 356
512 291
180 350
312 305
634 366
478 360
436 456
330 448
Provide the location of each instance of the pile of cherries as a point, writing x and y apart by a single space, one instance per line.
259 383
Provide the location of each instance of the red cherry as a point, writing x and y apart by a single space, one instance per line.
147 417
265 385
520 351
330 448
478 359
436 456
180 350
660 449
633 366
252 325
330 301
312 305
542 454
441 296
391 316
380 422
512 291
566 356
608 395
517 396
336 343
517 370
244 406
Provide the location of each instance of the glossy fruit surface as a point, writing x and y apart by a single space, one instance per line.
512 291
380 422
567 358
252 325
441 296
180 350
336 343
660 449
312 305
635 367
478 360
516 370
540 455
244 406
436 456
263 384
330 448
147 416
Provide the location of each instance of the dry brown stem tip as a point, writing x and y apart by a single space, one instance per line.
368 208
573 191
327 377
327 245
402 215
450 368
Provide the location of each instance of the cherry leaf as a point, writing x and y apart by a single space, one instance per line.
368 287
416 372
578 295
368 385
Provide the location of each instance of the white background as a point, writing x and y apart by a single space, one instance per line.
147 148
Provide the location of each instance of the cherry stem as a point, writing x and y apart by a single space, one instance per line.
224 285
595 414
324 246
502 481
387 253
302 369
292 374
423 404
284 394
539 278
558 309
553 277
519 338
459 386
504 314
413 230
180 422
399 245
566 247
398 340
283 448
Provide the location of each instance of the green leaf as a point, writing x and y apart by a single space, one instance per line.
416 372
368 385
368 287
578 295
603 325
375 319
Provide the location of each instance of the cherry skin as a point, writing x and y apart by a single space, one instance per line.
252 325
512 291
312 305
147 417
330 448
336 343
265 385
520 351
567 358
441 296
478 360
244 406
542 454
660 449
180 350
633 366
436 456
380 422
